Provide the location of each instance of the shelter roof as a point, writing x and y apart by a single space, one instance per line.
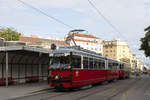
25 48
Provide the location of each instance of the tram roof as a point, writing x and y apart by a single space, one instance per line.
77 50
82 51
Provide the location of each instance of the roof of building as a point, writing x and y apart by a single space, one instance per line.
36 40
85 35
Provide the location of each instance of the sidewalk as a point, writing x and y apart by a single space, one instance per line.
21 90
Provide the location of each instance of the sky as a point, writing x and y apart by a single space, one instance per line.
130 17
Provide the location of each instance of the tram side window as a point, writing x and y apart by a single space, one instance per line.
95 64
118 65
76 61
121 66
99 65
85 63
114 66
110 65
102 65
91 63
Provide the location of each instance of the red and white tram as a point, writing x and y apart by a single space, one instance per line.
76 67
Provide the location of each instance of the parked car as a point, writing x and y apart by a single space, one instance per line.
145 72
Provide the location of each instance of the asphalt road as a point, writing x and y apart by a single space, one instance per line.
128 89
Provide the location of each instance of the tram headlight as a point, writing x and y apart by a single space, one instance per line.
56 77
69 66
77 73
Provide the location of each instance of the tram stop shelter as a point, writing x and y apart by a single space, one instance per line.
21 64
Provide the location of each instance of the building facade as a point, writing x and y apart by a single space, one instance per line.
85 41
119 50
116 49
44 43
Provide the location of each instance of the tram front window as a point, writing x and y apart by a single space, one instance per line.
60 62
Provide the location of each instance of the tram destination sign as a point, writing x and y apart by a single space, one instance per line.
59 54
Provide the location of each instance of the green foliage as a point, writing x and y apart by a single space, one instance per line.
145 42
9 34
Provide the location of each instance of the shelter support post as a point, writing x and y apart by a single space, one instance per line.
40 66
6 69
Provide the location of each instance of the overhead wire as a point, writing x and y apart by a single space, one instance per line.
42 12
106 19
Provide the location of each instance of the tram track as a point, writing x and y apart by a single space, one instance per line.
86 93
140 85
34 94
51 93
108 91
126 88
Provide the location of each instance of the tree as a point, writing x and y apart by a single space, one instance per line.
9 34
145 42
